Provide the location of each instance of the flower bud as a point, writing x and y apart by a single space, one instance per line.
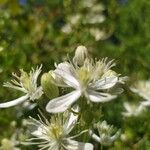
81 54
48 85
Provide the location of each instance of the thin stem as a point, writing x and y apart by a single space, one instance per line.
101 147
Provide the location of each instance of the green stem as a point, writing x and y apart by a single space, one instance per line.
101 147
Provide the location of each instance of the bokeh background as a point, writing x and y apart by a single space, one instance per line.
34 32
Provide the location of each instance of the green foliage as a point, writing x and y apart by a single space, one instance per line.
31 34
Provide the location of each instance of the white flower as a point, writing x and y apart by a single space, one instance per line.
92 80
74 19
132 109
94 18
106 133
99 34
27 83
9 144
142 88
88 3
54 135
67 29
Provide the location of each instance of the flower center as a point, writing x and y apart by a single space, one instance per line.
55 131
26 81
84 76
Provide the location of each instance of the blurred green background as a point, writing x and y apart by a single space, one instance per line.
34 32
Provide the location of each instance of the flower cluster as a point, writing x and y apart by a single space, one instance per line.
87 82
91 79
91 16
106 133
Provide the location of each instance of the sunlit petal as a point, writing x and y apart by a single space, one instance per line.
105 83
95 96
62 103
65 71
14 102
74 145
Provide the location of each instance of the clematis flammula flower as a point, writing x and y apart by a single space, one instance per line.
54 134
27 83
142 88
106 133
92 79
9 144
132 109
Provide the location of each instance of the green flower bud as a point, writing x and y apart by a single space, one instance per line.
48 85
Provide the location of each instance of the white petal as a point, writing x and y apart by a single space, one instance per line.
37 94
28 105
95 96
127 106
62 103
38 132
70 123
94 136
115 136
14 102
140 109
140 93
105 83
65 71
145 103
65 66
74 145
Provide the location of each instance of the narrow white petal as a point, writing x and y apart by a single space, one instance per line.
14 102
65 71
65 66
70 123
37 94
115 136
145 103
60 104
94 136
105 83
127 106
140 93
38 132
74 145
95 96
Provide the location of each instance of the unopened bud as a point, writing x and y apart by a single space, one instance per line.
48 85
81 54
